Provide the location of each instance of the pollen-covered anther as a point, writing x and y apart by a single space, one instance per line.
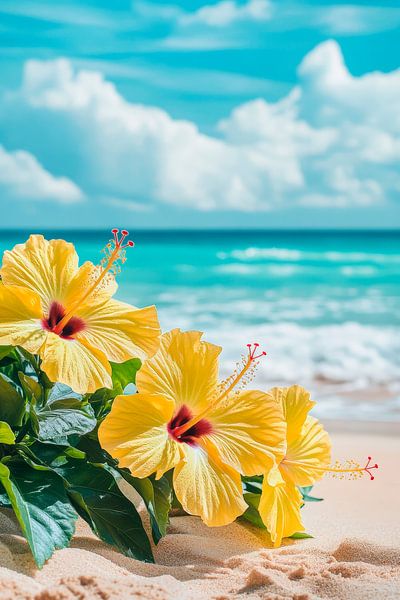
350 469
114 251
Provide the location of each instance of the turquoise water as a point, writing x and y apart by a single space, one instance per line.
325 306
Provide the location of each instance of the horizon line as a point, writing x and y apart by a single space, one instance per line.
13 230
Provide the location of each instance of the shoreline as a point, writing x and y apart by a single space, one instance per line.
338 426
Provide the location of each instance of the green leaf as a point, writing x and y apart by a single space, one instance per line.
97 498
5 351
305 492
124 373
12 404
101 401
6 434
251 514
157 496
300 535
41 506
60 391
4 499
64 415
30 386
253 484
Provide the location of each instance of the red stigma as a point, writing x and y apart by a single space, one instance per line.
192 435
119 241
74 326
368 468
252 352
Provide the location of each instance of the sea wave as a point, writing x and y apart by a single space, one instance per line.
346 353
252 270
219 306
292 255
345 356
351 368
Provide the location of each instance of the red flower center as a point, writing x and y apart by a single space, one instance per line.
71 328
192 435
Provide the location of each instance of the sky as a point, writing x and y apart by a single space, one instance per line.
227 114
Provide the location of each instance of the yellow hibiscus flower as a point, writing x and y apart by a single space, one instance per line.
305 460
208 432
66 314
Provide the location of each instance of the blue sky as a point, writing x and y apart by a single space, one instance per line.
238 113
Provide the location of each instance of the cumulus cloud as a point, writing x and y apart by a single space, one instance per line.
334 140
23 177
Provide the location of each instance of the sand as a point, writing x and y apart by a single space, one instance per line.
355 552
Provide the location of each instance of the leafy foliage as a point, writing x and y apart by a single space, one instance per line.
94 493
252 515
157 495
12 405
64 414
52 467
41 506
305 492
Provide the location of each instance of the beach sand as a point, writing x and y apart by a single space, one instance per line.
355 553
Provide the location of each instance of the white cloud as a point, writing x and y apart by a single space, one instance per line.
23 177
206 82
228 12
334 140
353 19
230 24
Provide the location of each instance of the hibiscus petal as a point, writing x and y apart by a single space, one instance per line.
122 331
296 404
184 369
249 430
75 363
135 433
279 507
20 318
40 265
207 488
312 449
79 293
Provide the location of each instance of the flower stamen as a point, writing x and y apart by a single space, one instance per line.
114 253
349 469
244 374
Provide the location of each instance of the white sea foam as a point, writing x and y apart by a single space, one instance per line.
358 271
251 270
291 255
221 306
345 353
342 353
332 360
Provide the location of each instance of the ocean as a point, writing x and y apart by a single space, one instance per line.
324 305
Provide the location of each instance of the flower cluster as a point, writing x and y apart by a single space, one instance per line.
219 449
